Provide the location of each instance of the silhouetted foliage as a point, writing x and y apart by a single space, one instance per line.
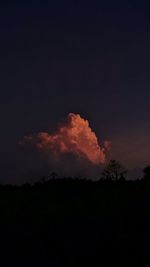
114 171
147 174
53 175
73 222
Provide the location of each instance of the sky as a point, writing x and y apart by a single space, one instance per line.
67 57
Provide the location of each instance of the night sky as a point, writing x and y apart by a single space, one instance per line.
91 59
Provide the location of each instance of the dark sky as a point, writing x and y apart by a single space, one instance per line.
92 59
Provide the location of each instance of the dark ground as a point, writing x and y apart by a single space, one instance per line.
75 223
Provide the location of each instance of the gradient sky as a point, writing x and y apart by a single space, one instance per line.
92 59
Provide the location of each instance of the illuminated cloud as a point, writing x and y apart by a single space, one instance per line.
75 137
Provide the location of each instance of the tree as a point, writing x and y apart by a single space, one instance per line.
147 173
53 175
114 171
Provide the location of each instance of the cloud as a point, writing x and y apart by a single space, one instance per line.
74 137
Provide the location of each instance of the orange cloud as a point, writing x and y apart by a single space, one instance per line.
75 137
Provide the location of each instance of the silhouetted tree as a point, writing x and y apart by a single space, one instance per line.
53 175
43 180
147 173
114 171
